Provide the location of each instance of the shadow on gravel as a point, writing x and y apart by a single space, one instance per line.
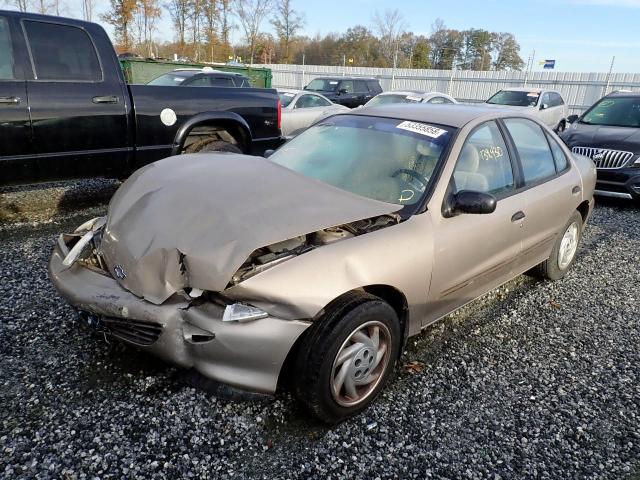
42 202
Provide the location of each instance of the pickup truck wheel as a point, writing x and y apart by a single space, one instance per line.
346 357
211 145
564 251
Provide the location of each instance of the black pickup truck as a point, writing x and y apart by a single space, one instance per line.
67 112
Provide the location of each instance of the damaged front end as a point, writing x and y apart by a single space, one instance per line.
161 270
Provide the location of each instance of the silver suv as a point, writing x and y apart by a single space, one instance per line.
547 105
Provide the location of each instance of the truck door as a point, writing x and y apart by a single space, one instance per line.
15 127
78 106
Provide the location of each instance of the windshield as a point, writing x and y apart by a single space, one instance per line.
515 99
380 158
169 79
323 85
286 98
393 98
615 111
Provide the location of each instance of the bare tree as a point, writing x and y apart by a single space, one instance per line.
179 11
390 27
211 17
194 18
251 14
22 5
87 9
287 23
121 17
146 15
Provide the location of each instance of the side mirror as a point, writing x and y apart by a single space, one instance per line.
305 87
544 106
268 153
572 118
342 91
475 203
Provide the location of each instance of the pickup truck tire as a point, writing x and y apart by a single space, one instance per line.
212 145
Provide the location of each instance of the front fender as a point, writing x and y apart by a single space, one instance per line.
227 119
400 256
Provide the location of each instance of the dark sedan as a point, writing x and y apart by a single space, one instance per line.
609 133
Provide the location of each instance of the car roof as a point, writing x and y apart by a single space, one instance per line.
453 115
524 89
329 77
624 93
291 90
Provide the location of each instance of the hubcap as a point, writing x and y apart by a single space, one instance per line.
360 363
568 246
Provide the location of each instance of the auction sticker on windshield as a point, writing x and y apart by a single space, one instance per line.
422 129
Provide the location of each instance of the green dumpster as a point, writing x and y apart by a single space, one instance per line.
140 71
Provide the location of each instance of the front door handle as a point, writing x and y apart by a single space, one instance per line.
576 190
105 99
9 100
517 216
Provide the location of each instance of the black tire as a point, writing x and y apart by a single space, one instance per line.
212 145
550 268
314 365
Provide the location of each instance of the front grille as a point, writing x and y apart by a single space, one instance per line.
603 158
135 331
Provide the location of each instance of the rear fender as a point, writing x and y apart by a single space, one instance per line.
232 122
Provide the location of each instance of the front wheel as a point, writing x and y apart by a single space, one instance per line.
564 251
347 357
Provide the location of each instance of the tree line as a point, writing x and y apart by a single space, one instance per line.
202 32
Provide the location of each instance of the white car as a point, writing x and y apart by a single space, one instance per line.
409 96
547 105
301 109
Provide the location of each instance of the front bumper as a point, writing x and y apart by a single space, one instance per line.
244 355
619 183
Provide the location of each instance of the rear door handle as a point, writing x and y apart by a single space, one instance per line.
9 100
105 99
576 190
517 216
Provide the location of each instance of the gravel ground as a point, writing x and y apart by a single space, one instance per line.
536 380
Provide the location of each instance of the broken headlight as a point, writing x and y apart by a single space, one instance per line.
239 312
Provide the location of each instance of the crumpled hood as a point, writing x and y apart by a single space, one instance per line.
603 136
193 220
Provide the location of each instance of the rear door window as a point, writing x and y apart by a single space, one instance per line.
361 86
222 82
347 85
374 87
533 149
7 64
62 52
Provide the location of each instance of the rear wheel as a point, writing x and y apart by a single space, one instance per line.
212 145
346 357
564 251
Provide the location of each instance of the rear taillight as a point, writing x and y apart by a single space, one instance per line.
279 114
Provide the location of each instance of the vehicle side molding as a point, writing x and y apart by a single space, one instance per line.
225 119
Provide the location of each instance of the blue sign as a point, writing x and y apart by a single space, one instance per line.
549 64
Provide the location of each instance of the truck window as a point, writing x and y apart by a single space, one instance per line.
6 52
62 52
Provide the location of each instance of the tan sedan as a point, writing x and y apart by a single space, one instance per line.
322 260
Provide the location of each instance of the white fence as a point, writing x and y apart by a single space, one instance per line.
580 90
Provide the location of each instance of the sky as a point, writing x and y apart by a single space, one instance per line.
581 35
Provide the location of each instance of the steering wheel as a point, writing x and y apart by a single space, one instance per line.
413 174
